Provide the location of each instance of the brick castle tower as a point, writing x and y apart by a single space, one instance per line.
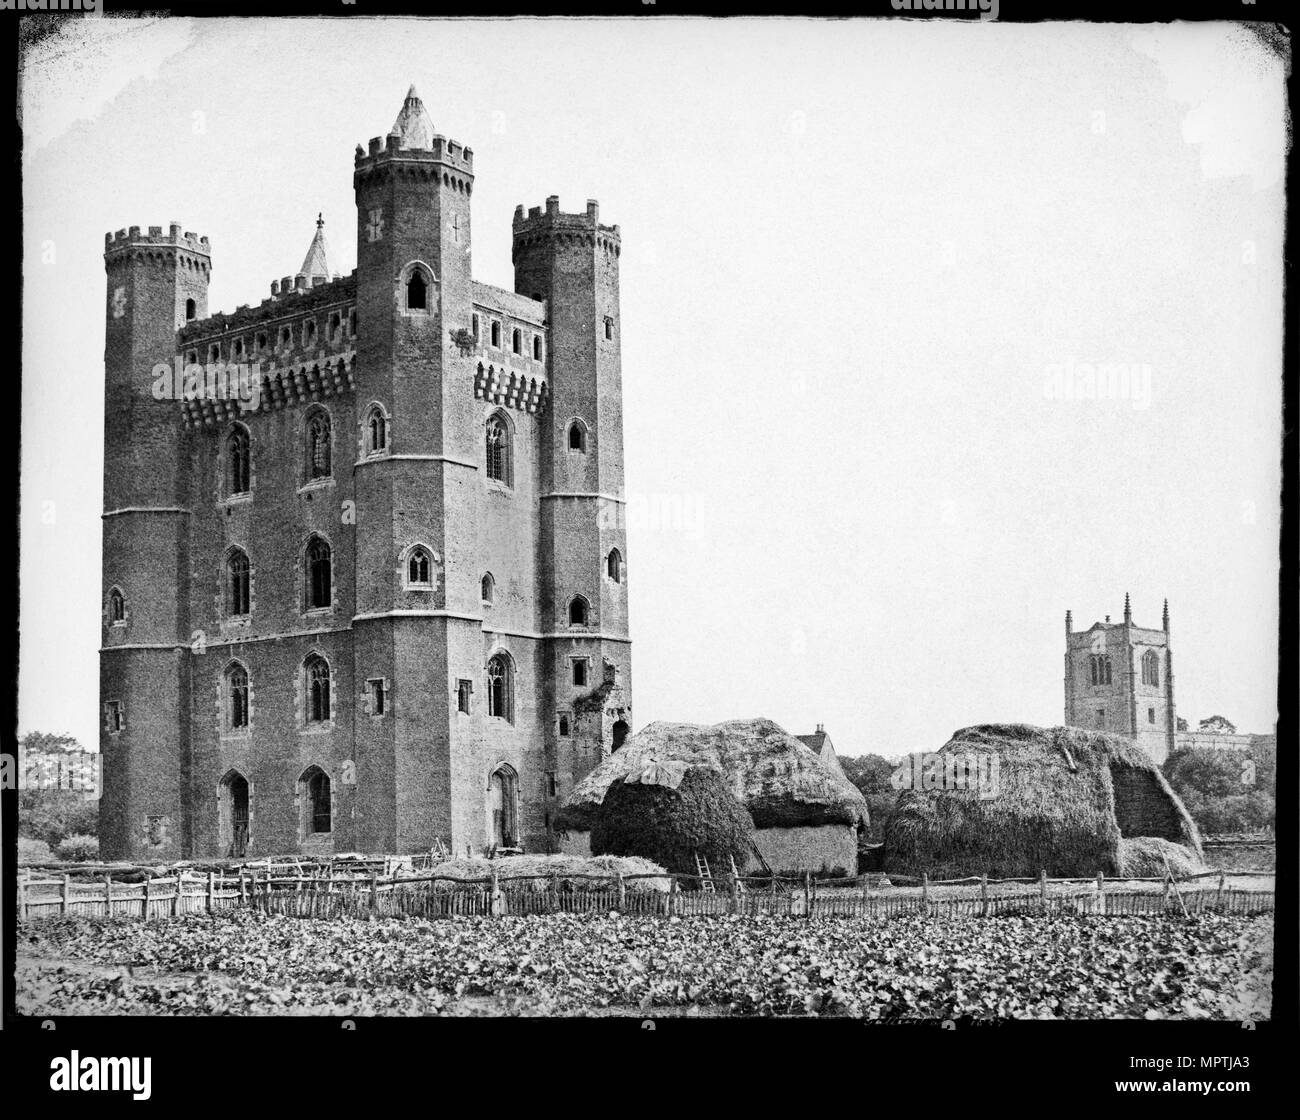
365 577
1119 677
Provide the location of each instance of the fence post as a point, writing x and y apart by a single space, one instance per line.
925 893
241 886
554 893
672 895
496 904
735 893
176 898
211 896
148 879
66 891
1164 897
1218 896
108 896
1101 892
374 890
984 895
622 892
807 894
1042 887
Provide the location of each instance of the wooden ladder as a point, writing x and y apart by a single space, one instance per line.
706 876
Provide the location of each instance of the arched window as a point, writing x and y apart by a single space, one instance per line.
614 565
564 727
537 347
317 807
238 461
1151 668
496 335
318 445
619 734
500 672
577 436
1100 670
316 691
417 292
517 341
237 581
261 342
309 332
578 610
487 587
116 606
286 337
499 450
352 324
236 697
318 575
190 309
336 327
419 568
376 431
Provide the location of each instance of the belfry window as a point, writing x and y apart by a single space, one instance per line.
487 588
1151 668
190 309
116 606
578 611
516 341
577 436
614 565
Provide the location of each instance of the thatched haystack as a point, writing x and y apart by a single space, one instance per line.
1068 801
806 816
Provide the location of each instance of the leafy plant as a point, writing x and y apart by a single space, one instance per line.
464 341
78 848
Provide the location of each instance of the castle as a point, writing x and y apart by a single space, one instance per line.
1120 678
381 602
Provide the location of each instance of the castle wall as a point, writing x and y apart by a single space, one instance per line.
419 771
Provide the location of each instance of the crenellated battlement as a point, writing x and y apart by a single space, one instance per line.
127 239
446 158
550 224
288 302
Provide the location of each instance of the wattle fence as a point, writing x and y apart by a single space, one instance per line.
325 894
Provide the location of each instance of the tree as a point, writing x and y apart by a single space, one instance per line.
669 826
1218 725
1225 790
871 774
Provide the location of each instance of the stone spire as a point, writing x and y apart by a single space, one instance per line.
316 263
1166 616
413 128
1128 611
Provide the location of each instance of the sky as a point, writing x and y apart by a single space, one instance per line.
867 267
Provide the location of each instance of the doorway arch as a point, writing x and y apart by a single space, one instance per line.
503 807
234 813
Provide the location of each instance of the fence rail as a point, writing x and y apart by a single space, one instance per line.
334 895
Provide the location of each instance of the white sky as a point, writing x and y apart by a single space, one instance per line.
851 251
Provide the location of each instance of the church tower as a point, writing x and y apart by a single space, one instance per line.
1119 678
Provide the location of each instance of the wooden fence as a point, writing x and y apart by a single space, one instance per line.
349 892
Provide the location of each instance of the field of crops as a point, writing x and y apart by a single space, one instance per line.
1033 966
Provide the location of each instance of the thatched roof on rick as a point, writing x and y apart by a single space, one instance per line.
806 814
1064 800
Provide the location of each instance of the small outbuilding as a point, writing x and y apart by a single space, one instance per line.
806 813
1011 800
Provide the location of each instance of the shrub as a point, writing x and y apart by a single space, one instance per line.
78 848
669 826
33 851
